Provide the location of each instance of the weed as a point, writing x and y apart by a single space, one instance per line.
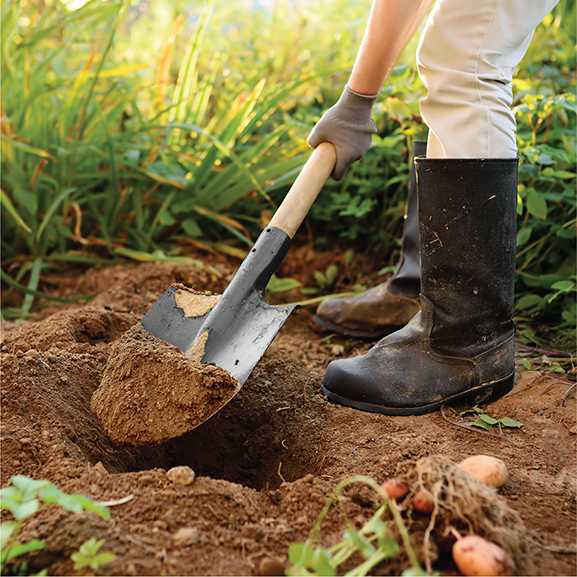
26 497
88 555
487 423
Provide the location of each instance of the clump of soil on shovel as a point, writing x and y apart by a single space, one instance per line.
152 392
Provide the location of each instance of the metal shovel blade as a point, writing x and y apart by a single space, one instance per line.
234 330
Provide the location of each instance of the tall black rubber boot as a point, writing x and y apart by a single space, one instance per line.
390 305
460 347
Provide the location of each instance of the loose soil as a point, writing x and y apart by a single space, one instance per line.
266 463
152 392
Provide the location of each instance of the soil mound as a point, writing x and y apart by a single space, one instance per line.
69 328
152 392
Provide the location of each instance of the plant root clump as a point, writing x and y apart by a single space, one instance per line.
152 392
465 504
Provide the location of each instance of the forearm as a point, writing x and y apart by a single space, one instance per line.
391 26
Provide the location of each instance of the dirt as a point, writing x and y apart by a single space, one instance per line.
152 392
266 463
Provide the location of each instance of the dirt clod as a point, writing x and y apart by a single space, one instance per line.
181 475
152 392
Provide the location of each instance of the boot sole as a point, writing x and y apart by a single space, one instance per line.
360 334
486 393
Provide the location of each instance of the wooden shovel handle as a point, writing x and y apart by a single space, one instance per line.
305 189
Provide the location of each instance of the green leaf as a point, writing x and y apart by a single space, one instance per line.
70 503
50 494
566 232
361 544
331 274
89 505
33 545
481 424
7 203
320 278
489 420
524 235
27 485
527 364
388 546
536 205
277 285
7 529
26 509
191 228
322 562
300 554
528 301
569 317
142 256
474 410
508 422
102 559
27 148
563 286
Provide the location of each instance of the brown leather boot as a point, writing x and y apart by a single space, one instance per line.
390 305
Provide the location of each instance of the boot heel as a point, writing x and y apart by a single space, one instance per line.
495 390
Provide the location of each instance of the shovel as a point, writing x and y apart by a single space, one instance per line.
234 330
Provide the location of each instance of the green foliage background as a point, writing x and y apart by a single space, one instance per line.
144 130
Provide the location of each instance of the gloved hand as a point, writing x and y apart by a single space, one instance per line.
348 125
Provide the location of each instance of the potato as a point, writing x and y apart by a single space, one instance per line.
477 556
488 470
423 502
395 488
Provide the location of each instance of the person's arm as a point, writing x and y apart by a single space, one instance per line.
391 26
348 125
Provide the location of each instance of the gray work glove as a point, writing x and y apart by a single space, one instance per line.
348 125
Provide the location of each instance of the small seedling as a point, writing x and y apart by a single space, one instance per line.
538 364
277 285
88 555
26 497
324 280
484 421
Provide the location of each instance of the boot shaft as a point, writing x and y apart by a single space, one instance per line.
406 281
467 222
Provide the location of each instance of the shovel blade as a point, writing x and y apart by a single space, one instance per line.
232 331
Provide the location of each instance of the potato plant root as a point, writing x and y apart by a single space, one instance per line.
266 463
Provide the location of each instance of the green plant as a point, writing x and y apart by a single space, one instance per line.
545 109
88 555
88 176
26 497
484 421
375 541
276 285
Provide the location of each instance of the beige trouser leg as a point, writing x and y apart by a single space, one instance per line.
467 56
